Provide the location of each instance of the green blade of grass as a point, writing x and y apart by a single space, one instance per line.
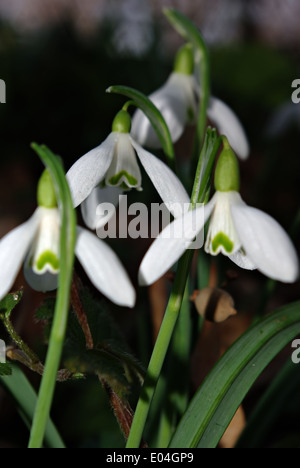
219 397
67 249
25 397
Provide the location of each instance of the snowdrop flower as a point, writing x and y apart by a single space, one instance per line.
178 100
112 168
37 243
248 236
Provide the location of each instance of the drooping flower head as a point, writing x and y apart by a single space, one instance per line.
36 243
113 167
178 101
248 236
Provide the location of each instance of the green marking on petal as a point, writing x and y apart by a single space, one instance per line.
222 240
115 180
47 258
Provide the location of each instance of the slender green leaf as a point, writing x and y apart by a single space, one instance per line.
219 397
5 369
9 302
24 395
67 249
205 166
271 406
154 115
172 394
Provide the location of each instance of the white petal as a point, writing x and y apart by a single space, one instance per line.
47 242
91 169
13 250
229 125
104 269
266 244
175 100
242 261
171 244
99 195
222 235
165 181
124 165
42 283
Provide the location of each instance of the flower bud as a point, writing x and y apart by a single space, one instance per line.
214 305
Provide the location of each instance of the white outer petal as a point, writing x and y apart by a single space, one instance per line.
173 100
165 181
43 283
266 244
229 125
171 244
99 196
242 261
91 169
104 269
13 250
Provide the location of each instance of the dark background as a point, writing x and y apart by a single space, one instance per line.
57 59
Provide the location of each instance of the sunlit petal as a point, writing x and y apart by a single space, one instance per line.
229 125
91 169
13 250
266 244
92 216
104 269
242 261
171 244
176 102
165 181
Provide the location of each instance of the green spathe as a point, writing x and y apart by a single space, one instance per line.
227 175
184 61
122 122
46 196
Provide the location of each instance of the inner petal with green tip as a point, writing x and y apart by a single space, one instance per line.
44 256
48 260
124 170
221 240
222 236
123 177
